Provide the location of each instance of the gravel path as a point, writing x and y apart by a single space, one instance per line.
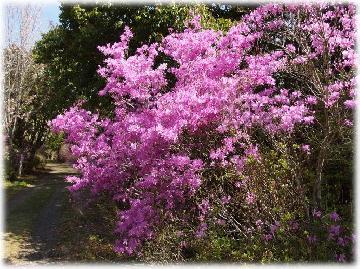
19 198
39 246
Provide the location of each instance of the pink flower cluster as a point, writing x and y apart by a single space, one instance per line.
140 156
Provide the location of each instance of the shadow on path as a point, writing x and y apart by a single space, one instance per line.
32 216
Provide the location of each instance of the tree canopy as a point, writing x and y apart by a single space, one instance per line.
70 50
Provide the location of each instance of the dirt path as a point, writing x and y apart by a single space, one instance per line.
32 216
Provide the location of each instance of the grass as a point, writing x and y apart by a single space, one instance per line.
13 187
87 235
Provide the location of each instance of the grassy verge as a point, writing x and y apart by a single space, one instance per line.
12 187
87 235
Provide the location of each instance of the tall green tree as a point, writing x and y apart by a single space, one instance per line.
70 49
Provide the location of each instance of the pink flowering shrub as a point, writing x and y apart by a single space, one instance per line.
286 240
185 153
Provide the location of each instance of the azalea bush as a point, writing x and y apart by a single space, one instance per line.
220 133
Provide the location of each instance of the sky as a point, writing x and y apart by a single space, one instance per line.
49 16
51 13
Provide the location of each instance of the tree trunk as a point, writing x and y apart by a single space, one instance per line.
317 197
21 162
317 186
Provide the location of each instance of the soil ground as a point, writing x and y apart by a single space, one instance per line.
32 215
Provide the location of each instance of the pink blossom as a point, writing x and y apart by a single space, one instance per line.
259 224
305 148
250 198
201 230
312 239
274 227
340 257
334 216
348 123
225 199
291 48
342 241
204 206
317 213
267 237
334 230
153 154
350 104
311 100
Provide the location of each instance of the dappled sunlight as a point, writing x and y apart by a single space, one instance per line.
18 249
32 213
59 168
